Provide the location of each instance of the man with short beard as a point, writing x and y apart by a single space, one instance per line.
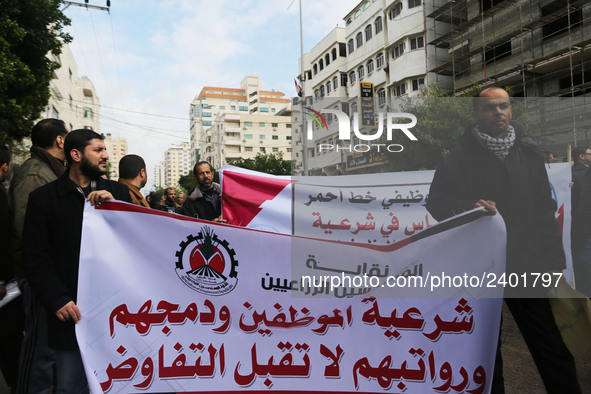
205 202
169 203
51 245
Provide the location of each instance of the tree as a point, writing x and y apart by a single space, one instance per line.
30 37
272 163
188 183
441 123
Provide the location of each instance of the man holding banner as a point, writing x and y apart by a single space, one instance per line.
497 167
51 239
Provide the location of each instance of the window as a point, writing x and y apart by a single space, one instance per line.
274 124
353 107
360 72
381 97
395 11
247 136
315 69
417 42
196 111
274 137
400 90
367 32
317 95
289 149
359 39
207 114
206 123
380 61
205 106
343 79
233 107
321 65
288 137
272 109
351 46
222 107
243 108
262 136
398 50
288 125
261 124
369 67
322 91
275 149
335 83
417 83
262 149
327 59
328 88
264 109
247 124
352 77
248 148
334 53
87 112
414 3
378 24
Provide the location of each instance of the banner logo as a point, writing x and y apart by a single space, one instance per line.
207 264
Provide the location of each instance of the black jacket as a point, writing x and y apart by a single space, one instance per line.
51 246
578 232
518 185
196 206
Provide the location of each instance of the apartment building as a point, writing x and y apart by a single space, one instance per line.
177 162
378 56
116 148
160 175
73 99
215 105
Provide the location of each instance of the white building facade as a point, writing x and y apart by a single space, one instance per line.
382 49
177 162
220 117
116 148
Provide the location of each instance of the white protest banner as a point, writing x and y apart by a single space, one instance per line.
201 306
371 208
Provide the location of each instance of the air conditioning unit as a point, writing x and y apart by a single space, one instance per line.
261 141
244 128
243 140
274 128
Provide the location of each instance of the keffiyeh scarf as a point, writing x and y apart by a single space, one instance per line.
499 146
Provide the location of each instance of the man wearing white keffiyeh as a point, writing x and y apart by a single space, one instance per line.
498 167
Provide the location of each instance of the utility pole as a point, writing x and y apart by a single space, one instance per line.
303 100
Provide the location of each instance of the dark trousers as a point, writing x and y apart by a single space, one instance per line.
37 359
11 336
555 363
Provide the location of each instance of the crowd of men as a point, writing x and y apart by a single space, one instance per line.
42 212
495 166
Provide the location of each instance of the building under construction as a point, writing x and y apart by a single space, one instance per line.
537 48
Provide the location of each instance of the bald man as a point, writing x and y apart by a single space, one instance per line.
498 167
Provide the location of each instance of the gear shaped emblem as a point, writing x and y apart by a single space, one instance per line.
205 263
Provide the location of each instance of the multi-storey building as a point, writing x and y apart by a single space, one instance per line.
73 99
177 162
538 48
215 105
116 148
160 175
382 49
395 48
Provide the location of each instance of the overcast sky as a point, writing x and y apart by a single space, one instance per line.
148 59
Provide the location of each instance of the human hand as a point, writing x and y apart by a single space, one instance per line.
98 196
69 312
489 205
219 220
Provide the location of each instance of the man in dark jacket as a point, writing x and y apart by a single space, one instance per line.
11 315
205 202
45 165
169 204
497 167
51 245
